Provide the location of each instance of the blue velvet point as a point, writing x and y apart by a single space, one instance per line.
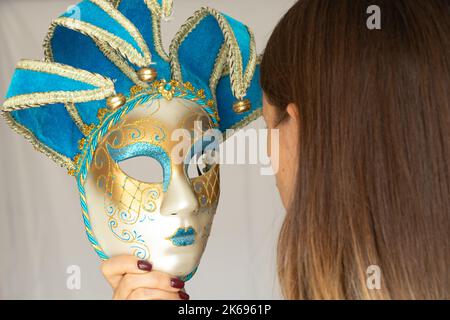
91 13
79 51
29 81
64 134
53 125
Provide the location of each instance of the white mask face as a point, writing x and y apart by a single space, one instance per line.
166 222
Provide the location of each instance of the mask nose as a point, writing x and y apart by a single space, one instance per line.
179 198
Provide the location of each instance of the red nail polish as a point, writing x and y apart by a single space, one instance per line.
176 283
183 295
144 265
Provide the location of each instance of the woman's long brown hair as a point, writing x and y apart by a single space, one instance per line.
373 185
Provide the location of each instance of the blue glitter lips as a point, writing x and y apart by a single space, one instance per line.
183 237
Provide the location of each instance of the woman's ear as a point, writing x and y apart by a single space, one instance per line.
292 129
293 119
292 110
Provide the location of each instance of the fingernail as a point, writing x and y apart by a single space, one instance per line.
176 283
144 265
183 295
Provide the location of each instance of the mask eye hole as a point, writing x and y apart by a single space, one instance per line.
201 163
144 169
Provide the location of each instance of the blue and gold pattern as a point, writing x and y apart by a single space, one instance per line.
100 50
60 104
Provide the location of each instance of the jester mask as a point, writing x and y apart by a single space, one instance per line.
107 92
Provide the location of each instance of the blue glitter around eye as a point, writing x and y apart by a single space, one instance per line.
140 149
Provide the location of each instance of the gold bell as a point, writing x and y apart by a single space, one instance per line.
116 101
242 106
147 74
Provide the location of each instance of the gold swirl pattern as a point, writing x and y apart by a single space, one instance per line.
127 201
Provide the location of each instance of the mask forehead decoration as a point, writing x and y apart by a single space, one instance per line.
107 92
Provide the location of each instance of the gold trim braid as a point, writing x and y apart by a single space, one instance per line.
120 63
246 120
130 27
63 161
126 49
167 8
184 31
24 101
161 10
155 12
252 62
67 71
219 66
240 81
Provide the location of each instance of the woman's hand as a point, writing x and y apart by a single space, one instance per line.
133 279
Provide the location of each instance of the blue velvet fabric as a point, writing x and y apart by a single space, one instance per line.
50 124
242 37
77 50
29 81
197 56
197 53
225 100
53 126
144 23
93 14
88 111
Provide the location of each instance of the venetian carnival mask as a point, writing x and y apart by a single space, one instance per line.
107 92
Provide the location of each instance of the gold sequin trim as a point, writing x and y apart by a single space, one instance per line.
123 66
129 26
24 101
245 121
67 71
219 65
156 14
99 35
240 81
167 8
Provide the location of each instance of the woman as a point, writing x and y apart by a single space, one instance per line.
364 124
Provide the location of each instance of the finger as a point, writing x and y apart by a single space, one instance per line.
152 280
114 268
153 294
